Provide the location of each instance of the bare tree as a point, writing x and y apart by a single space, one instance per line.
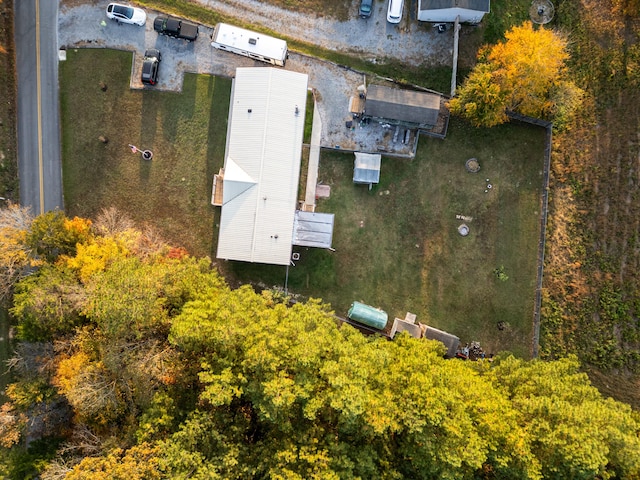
32 360
111 221
58 468
150 242
82 442
15 255
15 216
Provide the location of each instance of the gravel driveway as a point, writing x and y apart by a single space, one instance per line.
375 38
84 24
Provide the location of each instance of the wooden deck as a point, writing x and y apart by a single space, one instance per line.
218 188
314 161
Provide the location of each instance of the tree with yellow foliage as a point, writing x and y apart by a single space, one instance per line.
176 375
138 463
53 234
521 74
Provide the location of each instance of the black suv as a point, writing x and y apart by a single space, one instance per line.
150 66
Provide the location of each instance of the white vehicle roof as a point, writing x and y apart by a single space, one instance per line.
250 41
126 13
394 12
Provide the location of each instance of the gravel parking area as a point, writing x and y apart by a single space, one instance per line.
86 25
374 38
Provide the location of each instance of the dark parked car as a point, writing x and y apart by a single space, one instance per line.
150 66
366 6
174 27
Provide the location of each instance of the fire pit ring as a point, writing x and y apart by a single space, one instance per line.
472 165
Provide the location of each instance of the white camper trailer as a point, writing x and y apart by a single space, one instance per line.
250 44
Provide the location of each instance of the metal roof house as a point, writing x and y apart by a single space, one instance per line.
446 11
259 181
402 107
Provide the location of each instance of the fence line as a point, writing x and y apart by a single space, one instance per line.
548 126
543 223
374 75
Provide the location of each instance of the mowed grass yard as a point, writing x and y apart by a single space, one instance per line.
185 131
398 247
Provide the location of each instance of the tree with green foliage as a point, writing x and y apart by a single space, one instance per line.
48 304
574 432
134 297
524 74
176 375
307 399
305 389
121 359
53 234
481 100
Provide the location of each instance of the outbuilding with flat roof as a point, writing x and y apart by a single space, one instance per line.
313 229
402 107
446 11
449 340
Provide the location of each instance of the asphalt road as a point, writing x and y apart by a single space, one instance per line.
39 30
39 157
84 25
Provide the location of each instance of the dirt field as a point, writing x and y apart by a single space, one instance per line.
592 275
334 8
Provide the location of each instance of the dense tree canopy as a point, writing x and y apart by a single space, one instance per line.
169 373
523 74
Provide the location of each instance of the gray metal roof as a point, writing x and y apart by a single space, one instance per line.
477 5
450 341
312 229
402 105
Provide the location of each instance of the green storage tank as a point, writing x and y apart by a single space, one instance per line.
368 315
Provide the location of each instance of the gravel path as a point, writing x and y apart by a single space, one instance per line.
84 24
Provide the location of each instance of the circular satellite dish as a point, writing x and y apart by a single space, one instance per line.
541 11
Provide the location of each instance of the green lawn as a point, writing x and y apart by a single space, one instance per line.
398 248
185 131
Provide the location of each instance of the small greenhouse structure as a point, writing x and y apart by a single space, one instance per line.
366 168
